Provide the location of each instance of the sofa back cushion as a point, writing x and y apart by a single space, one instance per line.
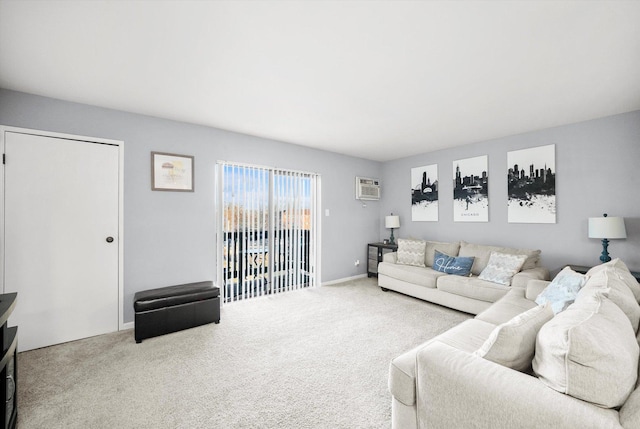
481 253
411 252
609 284
622 271
512 344
630 411
574 352
447 248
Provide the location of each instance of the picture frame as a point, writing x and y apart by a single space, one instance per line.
531 184
424 193
172 172
471 189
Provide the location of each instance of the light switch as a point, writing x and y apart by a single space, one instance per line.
326 212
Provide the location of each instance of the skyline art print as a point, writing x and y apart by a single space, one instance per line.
471 190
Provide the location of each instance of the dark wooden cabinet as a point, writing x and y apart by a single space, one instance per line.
8 363
375 251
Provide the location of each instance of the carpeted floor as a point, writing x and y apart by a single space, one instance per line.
314 358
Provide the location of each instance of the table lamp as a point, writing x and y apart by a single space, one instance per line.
606 228
392 222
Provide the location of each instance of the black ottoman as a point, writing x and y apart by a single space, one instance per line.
174 308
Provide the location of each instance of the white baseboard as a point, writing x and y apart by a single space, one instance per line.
128 325
345 279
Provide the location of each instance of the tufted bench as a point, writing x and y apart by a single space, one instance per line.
174 308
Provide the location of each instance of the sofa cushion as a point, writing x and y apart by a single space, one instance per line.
502 267
482 254
457 265
609 284
574 352
411 252
523 278
467 336
472 287
432 246
630 411
512 344
421 276
507 307
622 271
562 291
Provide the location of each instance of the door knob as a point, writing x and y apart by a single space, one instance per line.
109 239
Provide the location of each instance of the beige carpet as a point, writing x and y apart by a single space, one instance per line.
315 358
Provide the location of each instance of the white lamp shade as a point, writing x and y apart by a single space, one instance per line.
392 221
607 227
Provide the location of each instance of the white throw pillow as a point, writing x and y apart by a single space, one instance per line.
502 267
411 252
589 352
562 291
513 343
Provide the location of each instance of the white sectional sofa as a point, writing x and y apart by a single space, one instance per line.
468 294
581 365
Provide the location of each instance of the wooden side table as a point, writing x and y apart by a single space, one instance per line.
582 269
375 251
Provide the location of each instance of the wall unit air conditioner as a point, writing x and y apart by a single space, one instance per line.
367 189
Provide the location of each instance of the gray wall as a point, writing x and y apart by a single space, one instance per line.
169 237
597 172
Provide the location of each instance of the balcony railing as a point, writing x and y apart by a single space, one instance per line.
249 268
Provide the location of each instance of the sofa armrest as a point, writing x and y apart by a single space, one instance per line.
522 278
391 257
535 287
459 389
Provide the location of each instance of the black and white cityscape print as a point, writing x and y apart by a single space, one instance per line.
532 185
424 193
471 190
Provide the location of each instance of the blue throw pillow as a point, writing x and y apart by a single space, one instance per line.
460 265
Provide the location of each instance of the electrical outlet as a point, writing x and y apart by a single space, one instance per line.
357 263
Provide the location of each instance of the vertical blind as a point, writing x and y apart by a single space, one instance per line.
267 230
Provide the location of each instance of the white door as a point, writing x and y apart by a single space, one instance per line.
61 220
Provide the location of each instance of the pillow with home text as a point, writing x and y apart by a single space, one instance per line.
457 265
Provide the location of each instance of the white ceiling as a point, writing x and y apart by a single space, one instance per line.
373 79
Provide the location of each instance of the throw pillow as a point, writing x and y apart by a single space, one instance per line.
513 343
502 267
411 252
562 291
589 352
460 265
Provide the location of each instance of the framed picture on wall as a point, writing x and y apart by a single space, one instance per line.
424 193
470 190
531 180
171 172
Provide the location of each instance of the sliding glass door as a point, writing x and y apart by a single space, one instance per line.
267 230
